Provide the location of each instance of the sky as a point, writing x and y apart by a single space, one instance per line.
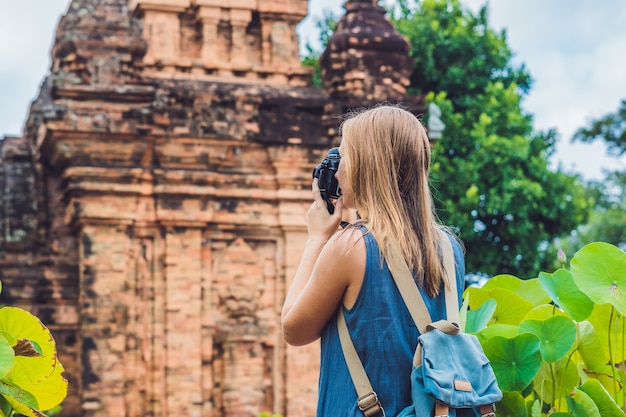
575 50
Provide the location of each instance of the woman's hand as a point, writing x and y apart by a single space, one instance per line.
320 223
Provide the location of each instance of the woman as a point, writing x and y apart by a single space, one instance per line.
383 174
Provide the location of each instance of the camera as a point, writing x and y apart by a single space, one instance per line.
325 174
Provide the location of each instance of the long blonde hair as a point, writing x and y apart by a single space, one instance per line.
387 157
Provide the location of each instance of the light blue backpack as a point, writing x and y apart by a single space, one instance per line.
451 375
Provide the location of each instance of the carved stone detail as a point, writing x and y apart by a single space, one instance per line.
239 279
242 40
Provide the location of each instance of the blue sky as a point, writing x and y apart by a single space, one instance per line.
574 49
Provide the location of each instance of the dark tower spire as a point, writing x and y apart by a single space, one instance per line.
366 57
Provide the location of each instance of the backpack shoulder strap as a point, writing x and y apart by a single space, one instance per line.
368 401
451 292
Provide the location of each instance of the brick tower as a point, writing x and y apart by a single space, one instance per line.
153 210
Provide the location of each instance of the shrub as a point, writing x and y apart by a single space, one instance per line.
31 379
556 342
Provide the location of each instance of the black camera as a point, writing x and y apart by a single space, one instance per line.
325 173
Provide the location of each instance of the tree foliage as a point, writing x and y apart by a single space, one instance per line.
610 128
490 169
607 221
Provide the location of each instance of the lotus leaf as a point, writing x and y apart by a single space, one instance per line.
529 289
610 330
510 308
504 330
49 392
18 398
23 325
599 270
543 312
512 405
7 357
582 405
590 347
476 320
557 335
563 291
515 361
556 380
606 405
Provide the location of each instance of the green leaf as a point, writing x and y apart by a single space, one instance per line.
590 348
599 270
510 307
7 357
24 325
49 393
9 337
528 289
610 330
24 409
504 330
515 361
511 405
5 408
607 407
14 394
561 288
582 405
543 312
556 380
477 320
557 335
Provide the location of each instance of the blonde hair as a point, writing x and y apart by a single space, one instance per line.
387 156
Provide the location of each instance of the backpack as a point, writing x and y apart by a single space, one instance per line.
451 376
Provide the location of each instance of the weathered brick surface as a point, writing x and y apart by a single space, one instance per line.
152 214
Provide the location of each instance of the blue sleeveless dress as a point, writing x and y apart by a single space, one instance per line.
384 336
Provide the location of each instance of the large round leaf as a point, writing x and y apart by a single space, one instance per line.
557 335
528 289
510 307
599 270
23 325
582 405
561 288
600 396
512 405
7 357
556 380
590 347
610 330
611 378
515 361
543 312
504 330
20 400
49 393
476 320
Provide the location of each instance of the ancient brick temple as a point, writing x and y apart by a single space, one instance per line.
153 211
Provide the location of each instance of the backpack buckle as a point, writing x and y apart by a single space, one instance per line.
370 405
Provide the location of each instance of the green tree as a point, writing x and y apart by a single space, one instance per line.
610 128
490 169
607 221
